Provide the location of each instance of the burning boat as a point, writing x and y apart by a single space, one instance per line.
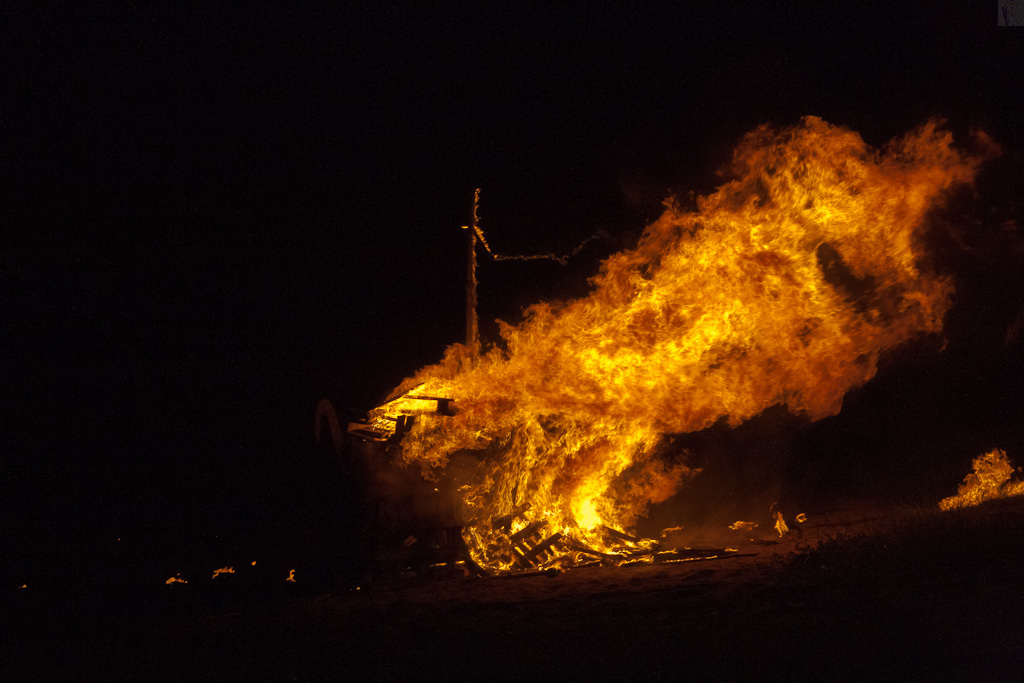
783 287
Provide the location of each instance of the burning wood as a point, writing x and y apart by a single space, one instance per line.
394 418
618 535
526 532
694 554
528 545
578 547
542 548
784 286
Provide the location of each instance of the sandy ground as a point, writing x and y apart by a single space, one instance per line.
740 617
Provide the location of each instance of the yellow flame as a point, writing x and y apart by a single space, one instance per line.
780 525
989 480
784 286
740 525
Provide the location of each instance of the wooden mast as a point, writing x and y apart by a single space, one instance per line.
472 328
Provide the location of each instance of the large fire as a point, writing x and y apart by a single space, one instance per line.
783 286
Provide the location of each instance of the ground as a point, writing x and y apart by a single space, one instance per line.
889 594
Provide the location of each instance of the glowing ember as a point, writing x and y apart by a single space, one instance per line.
990 480
743 526
784 286
291 576
175 579
801 518
223 570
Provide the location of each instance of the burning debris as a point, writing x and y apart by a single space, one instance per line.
989 480
780 525
784 286
220 572
394 418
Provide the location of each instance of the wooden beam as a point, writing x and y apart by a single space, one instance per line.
472 328
542 547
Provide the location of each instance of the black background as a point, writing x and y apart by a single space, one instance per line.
211 220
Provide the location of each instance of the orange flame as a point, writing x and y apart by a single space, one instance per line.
989 480
223 570
784 286
780 525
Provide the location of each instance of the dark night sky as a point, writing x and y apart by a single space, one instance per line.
211 220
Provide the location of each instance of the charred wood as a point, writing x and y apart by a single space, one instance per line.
615 533
575 545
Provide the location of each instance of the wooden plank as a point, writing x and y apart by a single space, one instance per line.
527 531
505 521
615 533
573 544
542 547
